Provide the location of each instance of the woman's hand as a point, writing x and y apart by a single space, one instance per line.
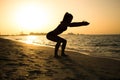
77 24
84 23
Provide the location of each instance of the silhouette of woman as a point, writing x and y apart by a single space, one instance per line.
53 35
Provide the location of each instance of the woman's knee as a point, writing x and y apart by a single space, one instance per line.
57 44
64 41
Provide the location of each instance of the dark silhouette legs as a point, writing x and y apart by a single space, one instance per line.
63 47
59 41
56 49
64 42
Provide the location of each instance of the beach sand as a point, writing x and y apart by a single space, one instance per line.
20 61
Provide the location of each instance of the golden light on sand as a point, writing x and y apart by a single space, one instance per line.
31 17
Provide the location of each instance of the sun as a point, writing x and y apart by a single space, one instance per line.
32 17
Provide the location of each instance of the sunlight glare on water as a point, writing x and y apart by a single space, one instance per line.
31 39
36 40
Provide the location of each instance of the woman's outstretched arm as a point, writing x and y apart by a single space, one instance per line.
77 24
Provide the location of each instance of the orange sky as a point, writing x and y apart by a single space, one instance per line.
45 15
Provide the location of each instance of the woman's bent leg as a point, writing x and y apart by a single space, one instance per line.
56 49
64 42
59 40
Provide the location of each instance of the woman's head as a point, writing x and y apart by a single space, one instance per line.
67 18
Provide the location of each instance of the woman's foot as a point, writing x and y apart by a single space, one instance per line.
56 56
64 55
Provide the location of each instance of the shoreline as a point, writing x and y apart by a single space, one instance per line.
65 50
30 62
102 51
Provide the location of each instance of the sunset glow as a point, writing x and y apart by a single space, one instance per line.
31 17
43 16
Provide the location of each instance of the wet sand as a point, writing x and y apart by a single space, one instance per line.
20 61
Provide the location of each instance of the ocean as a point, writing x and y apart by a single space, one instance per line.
107 46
